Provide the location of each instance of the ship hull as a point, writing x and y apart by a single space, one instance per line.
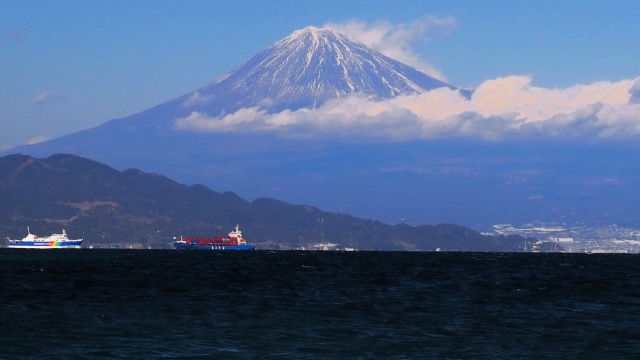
242 247
68 244
232 242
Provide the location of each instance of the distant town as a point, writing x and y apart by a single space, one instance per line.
574 238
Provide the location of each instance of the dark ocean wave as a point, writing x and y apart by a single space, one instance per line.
146 304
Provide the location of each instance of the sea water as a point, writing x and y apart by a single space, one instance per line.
169 304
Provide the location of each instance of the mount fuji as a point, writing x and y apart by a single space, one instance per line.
472 183
304 70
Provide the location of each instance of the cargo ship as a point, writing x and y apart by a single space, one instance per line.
233 241
54 241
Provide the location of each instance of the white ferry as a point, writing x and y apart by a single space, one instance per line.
54 241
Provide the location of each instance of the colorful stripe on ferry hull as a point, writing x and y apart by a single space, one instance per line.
44 244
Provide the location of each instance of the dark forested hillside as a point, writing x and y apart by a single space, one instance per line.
132 208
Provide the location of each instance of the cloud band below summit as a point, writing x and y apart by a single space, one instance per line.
504 108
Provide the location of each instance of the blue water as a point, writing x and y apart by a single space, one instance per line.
148 304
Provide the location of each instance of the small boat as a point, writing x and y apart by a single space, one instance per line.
233 241
54 241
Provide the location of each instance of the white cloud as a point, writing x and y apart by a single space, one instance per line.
397 41
504 108
197 99
44 97
251 118
517 94
37 139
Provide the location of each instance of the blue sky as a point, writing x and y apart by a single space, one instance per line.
66 66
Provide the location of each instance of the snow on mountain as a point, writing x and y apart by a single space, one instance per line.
305 69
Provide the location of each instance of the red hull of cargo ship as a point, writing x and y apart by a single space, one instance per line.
233 241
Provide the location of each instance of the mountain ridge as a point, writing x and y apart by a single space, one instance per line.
132 208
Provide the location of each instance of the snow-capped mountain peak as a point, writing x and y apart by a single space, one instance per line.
307 68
